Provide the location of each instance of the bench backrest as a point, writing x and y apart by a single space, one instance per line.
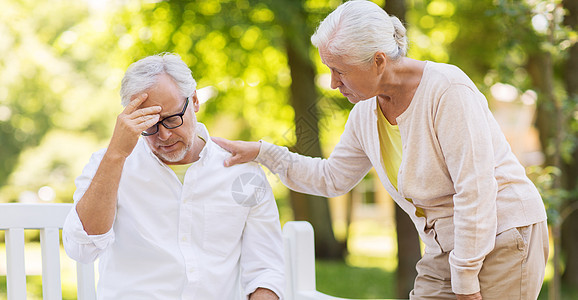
15 218
49 219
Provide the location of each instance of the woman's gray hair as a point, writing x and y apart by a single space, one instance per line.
142 75
358 29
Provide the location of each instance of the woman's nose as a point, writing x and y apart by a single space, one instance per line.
335 81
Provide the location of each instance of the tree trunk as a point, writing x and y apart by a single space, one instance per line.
408 253
408 249
540 69
570 169
304 98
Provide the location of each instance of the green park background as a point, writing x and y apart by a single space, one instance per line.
61 63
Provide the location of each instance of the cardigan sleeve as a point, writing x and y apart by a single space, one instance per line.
331 177
464 134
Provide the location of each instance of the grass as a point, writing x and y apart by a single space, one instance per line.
342 280
335 278
338 279
34 288
568 293
367 273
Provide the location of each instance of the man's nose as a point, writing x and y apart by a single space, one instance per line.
164 133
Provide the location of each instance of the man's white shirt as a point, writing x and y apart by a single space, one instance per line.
217 236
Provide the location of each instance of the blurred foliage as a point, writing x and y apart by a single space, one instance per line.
60 76
34 82
457 32
533 28
544 178
62 62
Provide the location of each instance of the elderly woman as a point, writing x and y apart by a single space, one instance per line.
438 151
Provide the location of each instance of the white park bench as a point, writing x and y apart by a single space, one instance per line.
49 219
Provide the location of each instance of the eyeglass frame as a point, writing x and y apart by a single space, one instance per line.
161 122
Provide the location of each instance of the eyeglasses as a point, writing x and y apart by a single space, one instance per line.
170 122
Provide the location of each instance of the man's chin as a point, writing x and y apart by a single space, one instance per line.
172 156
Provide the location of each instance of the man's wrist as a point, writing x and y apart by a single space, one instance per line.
116 156
263 294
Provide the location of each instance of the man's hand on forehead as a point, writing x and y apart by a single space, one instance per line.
140 99
130 123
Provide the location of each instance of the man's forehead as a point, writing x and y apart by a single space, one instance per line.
167 107
151 101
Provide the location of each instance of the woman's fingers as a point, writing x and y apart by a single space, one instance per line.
241 151
228 145
223 143
233 160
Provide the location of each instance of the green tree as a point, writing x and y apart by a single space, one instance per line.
539 52
42 100
60 79
297 28
530 45
32 76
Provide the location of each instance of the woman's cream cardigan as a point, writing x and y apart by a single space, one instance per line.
457 166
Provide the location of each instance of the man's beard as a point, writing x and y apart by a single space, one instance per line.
174 156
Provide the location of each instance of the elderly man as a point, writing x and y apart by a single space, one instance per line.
161 212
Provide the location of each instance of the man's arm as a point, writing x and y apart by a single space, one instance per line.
262 250
96 209
263 294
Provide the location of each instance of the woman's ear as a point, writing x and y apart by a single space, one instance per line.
380 60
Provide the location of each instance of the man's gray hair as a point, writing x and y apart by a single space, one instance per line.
142 75
358 29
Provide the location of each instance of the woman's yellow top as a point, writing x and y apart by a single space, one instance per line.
391 151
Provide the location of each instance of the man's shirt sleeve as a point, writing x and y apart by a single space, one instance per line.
78 244
262 261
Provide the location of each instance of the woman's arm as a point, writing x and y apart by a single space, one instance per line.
329 177
465 139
